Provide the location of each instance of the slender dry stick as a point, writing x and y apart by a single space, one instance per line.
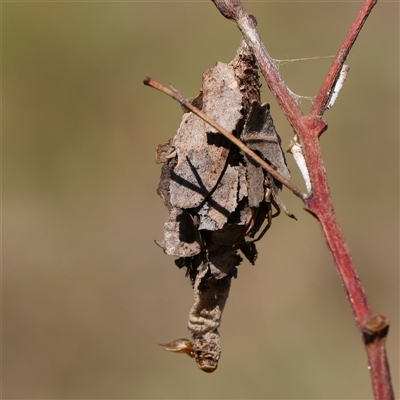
373 328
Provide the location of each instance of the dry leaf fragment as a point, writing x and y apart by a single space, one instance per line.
201 152
260 135
216 196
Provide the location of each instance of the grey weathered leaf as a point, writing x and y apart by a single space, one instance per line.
181 236
223 201
202 153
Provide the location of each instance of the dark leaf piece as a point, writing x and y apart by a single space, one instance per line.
250 251
260 135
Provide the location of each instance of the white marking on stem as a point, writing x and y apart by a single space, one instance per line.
295 149
338 85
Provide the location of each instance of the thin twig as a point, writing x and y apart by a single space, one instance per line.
334 71
178 97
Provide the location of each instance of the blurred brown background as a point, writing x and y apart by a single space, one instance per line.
87 295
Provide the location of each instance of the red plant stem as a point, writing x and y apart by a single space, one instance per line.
333 73
319 203
379 368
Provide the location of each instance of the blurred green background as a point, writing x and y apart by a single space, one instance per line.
87 295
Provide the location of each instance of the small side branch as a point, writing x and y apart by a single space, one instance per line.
333 74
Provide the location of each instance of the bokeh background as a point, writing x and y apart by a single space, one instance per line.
87 295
